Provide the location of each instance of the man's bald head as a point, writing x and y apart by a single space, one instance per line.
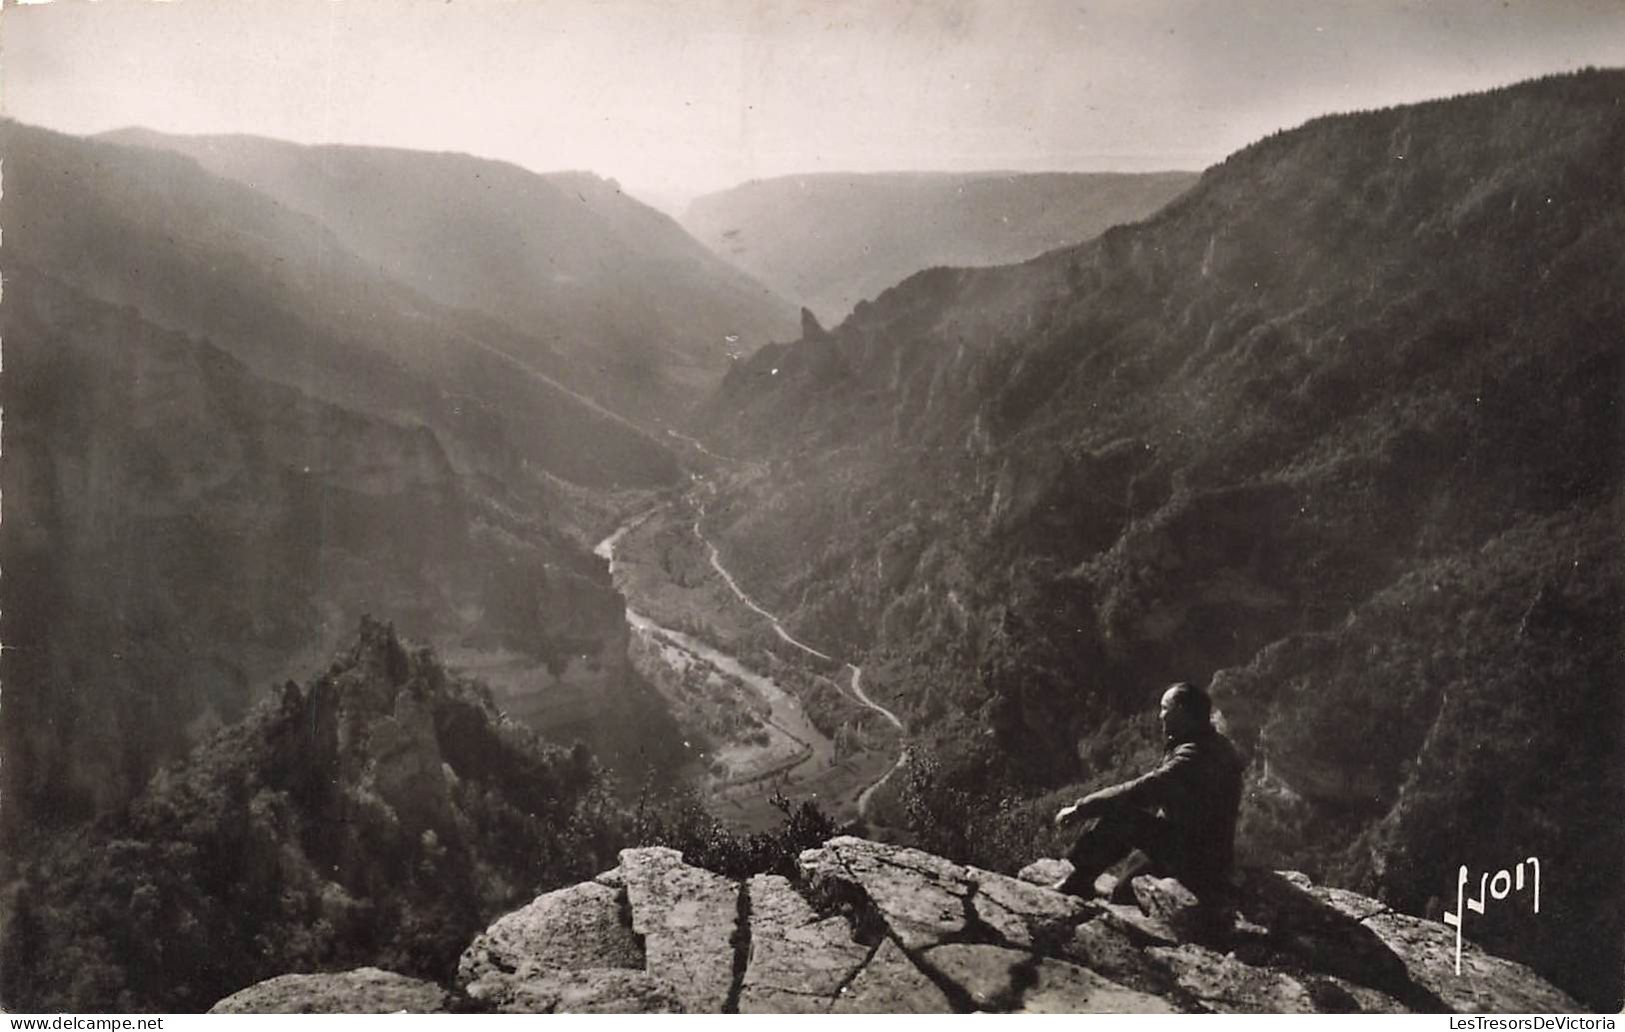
1186 710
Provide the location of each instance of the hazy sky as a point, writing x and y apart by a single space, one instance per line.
684 96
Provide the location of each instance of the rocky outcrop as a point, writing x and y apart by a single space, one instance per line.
891 984
592 991
688 919
362 991
798 960
811 328
871 928
539 951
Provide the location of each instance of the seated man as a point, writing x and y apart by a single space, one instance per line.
1182 815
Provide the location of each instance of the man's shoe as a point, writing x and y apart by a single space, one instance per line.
1073 885
1122 892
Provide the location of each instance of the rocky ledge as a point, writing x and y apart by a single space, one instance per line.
871 928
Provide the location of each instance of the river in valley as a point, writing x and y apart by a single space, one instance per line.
813 751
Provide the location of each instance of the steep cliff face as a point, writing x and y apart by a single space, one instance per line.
179 532
1340 425
278 289
382 813
871 928
227 438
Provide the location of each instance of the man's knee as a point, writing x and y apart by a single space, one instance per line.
1104 831
1109 838
1138 829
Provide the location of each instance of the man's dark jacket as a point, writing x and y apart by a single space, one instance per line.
1198 791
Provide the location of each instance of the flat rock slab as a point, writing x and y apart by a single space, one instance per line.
1226 985
1022 914
926 900
920 896
891 984
1487 984
1339 996
1163 898
1002 979
798 962
1139 927
688 918
591 991
1168 901
578 927
1350 904
1045 872
1105 948
366 990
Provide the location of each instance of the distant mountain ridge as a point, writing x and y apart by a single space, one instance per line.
276 288
606 294
1338 428
830 240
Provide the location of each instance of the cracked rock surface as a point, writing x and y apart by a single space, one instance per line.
577 928
687 918
892 984
798 961
591 991
1486 984
870 928
362 991
998 978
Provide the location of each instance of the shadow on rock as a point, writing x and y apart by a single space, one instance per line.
1285 925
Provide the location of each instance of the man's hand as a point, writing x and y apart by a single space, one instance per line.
1069 815
1090 805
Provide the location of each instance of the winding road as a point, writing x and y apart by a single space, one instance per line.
750 603
856 682
785 712
775 695
902 756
